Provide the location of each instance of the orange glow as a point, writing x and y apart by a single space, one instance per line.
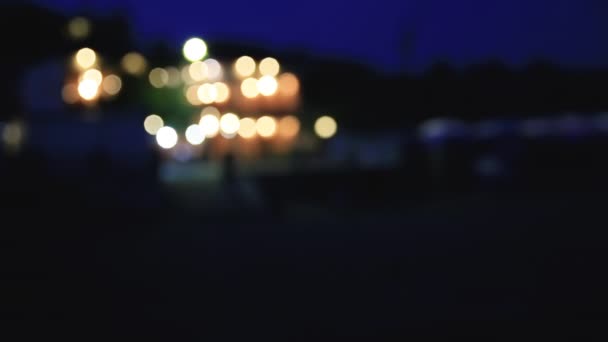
289 127
249 88
266 126
289 85
244 67
247 129
112 84
267 85
269 67
69 94
85 58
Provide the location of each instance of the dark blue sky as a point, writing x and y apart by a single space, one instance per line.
569 32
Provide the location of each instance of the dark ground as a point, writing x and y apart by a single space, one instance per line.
355 254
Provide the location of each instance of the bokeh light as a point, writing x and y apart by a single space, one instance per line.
214 69
158 77
153 123
92 74
222 91
195 49
249 88
289 85
247 128
85 58
112 84
79 28
69 93
267 85
326 127
134 63
244 67
174 78
210 110
269 67
289 126
166 137
266 126
229 124
207 93
198 71
192 95
210 125
88 89
195 135
185 71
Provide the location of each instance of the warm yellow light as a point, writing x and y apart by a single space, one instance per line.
247 128
92 74
229 124
88 89
85 58
69 93
244 67
158 77
153 123
289 126
195 135
166 137
174 78
266 126
195 49
198 71
13 133
289 85
267 85
79 28
210 125
192 95
326 127
249 88
186 74
210 110
112 84
207 93
134 63
269 67
214 69
223 92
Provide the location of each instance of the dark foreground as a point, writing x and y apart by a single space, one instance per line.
501 267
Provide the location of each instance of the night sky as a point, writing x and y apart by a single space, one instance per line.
568 32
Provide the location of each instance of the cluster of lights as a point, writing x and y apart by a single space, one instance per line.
230 125
204 85
91 82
